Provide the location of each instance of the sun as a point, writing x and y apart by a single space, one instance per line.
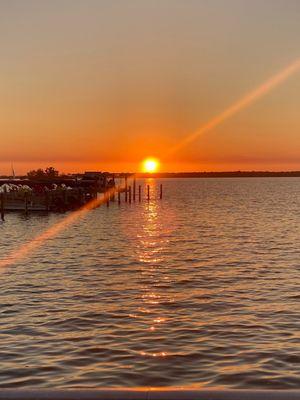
150 165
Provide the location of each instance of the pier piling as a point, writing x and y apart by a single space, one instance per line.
160 192
47 201
113 198
26 202
64 196
134 188
2 205
140 193
80 196
129 191
148 192
126 189
119 196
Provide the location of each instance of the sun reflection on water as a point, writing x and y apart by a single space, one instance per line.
151 239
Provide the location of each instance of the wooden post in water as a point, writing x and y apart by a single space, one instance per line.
107 198
113 194
64 194
160 191
134 188
126 189
140 192
2 205
119 195
129 194
80 197
47 200
26 202
148 192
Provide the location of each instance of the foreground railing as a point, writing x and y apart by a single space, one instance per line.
149 394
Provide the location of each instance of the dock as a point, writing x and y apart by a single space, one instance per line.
58 195
69 194
147 394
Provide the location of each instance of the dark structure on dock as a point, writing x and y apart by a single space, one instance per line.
55 194
69 193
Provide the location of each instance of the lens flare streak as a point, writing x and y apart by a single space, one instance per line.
53 231
241 104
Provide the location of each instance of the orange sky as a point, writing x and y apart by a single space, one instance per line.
102 85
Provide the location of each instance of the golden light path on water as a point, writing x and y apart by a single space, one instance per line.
150 239
238 106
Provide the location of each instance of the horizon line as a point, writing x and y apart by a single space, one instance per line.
233 171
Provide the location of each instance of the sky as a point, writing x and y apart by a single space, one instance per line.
103 84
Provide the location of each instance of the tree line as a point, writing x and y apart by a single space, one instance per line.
47 173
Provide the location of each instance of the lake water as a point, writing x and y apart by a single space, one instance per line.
200 289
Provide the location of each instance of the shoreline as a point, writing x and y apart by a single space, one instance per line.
233 174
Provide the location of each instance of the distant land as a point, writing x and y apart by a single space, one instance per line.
220 174
232 174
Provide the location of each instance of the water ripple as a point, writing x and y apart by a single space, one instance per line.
200 289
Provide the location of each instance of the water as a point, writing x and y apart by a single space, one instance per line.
200 289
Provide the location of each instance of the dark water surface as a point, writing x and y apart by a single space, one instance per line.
200 289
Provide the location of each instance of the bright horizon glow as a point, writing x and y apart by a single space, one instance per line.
150 165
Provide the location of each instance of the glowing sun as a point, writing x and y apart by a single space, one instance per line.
150 165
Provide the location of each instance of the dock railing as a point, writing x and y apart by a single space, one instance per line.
148 394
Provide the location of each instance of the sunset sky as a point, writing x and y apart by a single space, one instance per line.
102 85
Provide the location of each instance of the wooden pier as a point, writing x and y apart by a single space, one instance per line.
54 200
148 394
130 195
66 198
